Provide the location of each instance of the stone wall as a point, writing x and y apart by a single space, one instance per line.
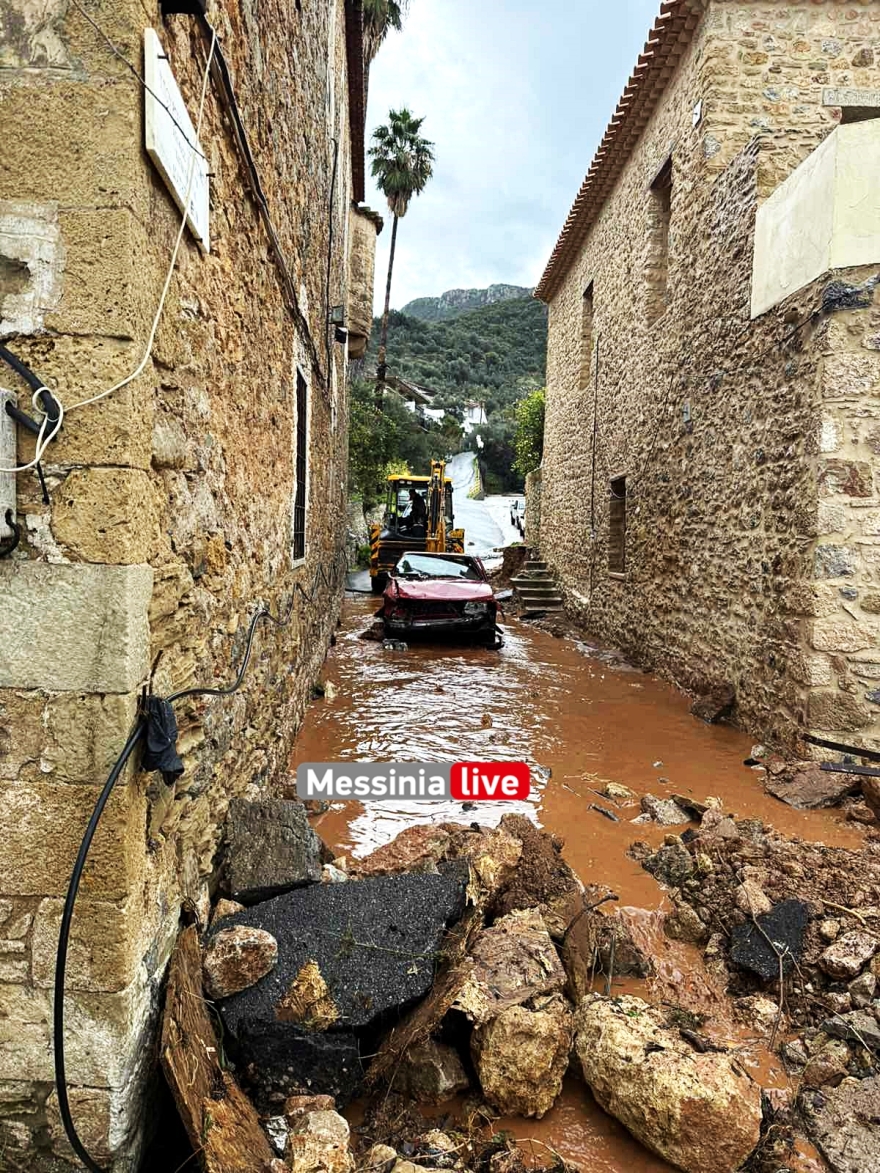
169 520
715 421
534 483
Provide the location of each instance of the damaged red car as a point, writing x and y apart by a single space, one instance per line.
441 594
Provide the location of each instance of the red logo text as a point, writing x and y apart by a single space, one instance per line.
481 781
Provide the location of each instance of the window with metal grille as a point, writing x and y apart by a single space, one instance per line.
617 526
302 440
586 336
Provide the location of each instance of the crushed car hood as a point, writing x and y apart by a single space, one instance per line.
443 590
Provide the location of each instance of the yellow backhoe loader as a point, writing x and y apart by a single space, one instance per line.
418 516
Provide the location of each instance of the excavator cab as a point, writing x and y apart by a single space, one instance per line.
418 516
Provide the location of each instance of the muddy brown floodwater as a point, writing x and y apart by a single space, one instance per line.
554 704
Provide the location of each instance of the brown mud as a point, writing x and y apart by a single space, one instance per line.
554 703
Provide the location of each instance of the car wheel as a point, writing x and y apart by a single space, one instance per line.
378 584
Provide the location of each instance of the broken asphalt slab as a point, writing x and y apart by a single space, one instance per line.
784 926
280 1059
349 954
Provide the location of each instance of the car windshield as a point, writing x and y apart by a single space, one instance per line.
424 566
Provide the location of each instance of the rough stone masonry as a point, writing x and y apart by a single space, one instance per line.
174 506
711 480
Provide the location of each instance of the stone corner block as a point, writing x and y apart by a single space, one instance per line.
76 627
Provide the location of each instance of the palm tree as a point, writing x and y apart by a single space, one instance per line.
380 17
402 165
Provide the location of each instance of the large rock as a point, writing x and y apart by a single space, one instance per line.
695 1110
349 954
844 1123
673 864
511 962
665 811
812 788
522 1055
846 957
785 926
236 958
430 1073
271 849
279 1060
493 854
416 849
542 879
318 1143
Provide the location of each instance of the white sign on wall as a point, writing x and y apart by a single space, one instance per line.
170 140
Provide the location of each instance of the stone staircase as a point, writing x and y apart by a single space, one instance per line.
536 589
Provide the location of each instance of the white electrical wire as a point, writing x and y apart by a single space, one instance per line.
43 440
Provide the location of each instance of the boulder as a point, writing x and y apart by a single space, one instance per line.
685 925
827 1067
416 849
430 1073
280 1061
236 958
318 1143
511 962
541 878
844 1124
493 855
812 788
350 953
695 1110
522 1054
270 849
673 864
871 794
846 957
785 925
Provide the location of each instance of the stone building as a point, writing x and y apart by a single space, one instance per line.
212 484
710 492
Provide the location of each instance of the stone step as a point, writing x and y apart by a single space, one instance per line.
543 608
530 580
536 564
541 600
541 589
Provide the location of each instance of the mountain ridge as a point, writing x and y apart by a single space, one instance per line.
460 301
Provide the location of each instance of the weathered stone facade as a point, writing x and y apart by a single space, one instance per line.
170 518
710 482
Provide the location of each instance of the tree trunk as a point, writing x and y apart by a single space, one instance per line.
381 368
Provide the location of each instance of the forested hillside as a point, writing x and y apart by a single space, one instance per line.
495 354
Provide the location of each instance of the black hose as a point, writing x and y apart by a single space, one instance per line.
64 939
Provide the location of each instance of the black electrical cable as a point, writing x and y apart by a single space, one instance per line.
64 939
134 738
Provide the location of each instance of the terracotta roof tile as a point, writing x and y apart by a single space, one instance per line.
672 31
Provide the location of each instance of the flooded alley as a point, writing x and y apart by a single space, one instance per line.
582 718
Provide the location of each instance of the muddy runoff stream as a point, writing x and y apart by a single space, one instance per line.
585 720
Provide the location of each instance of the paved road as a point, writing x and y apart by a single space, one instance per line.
486 523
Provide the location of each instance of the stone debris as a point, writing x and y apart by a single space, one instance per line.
848 954
430 1073
844 1123
664 811
513 961
811 787
270 849
319 1143
618 793
296 1106
416 849
236 958
698 1111
522 1054
225 907
857 1026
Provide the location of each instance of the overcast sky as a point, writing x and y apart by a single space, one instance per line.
516 95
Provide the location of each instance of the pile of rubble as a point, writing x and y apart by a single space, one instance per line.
454 960
792 931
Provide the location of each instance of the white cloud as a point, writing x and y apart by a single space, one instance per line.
516 96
